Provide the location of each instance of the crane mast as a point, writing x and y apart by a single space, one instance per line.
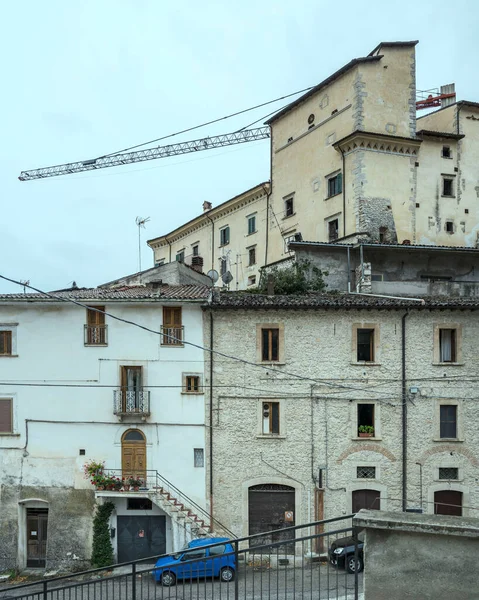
125 158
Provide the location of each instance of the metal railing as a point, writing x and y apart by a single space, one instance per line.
95 335
172 336
240 570
131 402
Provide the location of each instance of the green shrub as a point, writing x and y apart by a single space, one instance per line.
102 553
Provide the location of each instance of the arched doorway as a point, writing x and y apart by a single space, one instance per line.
133 453
271 506
448 502
368 499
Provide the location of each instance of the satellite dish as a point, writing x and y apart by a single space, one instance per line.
213 275
227 277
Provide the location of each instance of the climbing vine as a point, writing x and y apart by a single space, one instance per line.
102 553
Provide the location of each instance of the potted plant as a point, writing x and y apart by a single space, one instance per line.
135 483
366 431
99 481
93 468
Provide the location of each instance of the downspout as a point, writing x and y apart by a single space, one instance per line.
211 420
212 241
266 237
344 192
349 269
404 411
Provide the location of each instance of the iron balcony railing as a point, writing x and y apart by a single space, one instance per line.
96 335
172 336
131 402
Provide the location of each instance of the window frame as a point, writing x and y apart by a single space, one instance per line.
337 188
354 416
330 222
170 324
451 179
281 419
196 453
225 236
288 204
459 421
251 253
96 318
195 249
251 219
12 328
259 343
10 399
184 386
180 256
356 327
287 240
449 152
251 280
437 344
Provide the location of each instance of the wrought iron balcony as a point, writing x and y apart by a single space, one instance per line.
96 335
131 402
172 336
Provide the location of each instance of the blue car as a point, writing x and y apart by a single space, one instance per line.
197 560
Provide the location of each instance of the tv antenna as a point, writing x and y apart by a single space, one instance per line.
141 224
25 282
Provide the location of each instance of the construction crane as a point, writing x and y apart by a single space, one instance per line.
125 158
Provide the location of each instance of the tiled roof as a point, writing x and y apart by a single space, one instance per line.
122 293
444 134
386 246
238 300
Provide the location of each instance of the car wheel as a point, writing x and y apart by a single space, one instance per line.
227 574
351 564
168 579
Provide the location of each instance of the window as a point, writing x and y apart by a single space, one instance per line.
335 185
365 345
251 224
6 343
366 426
159 262
288 207
224 236
199 457
221 549
287 240
449 226
448 421
252 280
447 345
366 472
193 555
139 504
251 256
192 384
448 473
447 186
270 344
6 415
333 230
270 418
446 152
132 396
180 256
95 328
172 329
196 250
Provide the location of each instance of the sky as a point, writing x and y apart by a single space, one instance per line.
84 79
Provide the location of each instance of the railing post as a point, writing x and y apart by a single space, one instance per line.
356 557
236 566
45 589
133 581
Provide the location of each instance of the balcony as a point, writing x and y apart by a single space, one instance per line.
135 403
172 336
96 335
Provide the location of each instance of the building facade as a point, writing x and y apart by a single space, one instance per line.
77 385
342 402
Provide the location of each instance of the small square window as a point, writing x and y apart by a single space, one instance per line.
447 186
82 452
270 418
448 421
224 236
6 342
449 227
365 345
192 384
199 457
448 473
288 207
335 185
251 256
366 472
6 416
446 152
447 345
466 211
366 427
270 345
252 280
251 224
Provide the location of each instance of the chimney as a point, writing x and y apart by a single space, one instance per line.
197 263
156 284
207 206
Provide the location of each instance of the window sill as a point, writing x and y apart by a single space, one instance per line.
223 245
172 345
271 436
289 216
252 233
8 355
95 345
367 439
440 439
448 364
252 265
9 434
333 196
444 196
364 363
271 363
192 393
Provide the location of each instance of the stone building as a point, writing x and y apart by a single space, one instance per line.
77 385
342 402
350 159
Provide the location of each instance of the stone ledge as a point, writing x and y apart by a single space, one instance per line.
418 523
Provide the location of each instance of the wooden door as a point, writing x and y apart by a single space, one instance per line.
368 499
448 502
37 528
133 454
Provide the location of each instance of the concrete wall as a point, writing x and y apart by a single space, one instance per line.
174 273
73 410
419 556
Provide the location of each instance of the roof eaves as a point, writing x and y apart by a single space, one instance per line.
440 134
317 88
358 132
468 103
392 44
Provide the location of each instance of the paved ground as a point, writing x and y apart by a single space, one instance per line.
313 581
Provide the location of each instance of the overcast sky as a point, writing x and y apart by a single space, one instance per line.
84 79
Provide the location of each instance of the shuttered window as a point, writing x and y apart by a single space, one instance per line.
94 317
6 342
172 328
6 419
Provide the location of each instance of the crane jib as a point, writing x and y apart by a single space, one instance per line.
113 160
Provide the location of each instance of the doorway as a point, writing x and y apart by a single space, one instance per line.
140 536
37 530
448 502
271 507
131 388
368 499
133 454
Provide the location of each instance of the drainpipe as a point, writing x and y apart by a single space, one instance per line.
266 237
212 241
349 270
344 192
211 420
404 412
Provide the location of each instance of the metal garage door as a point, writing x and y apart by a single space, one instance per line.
271 506
448 502
140 537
